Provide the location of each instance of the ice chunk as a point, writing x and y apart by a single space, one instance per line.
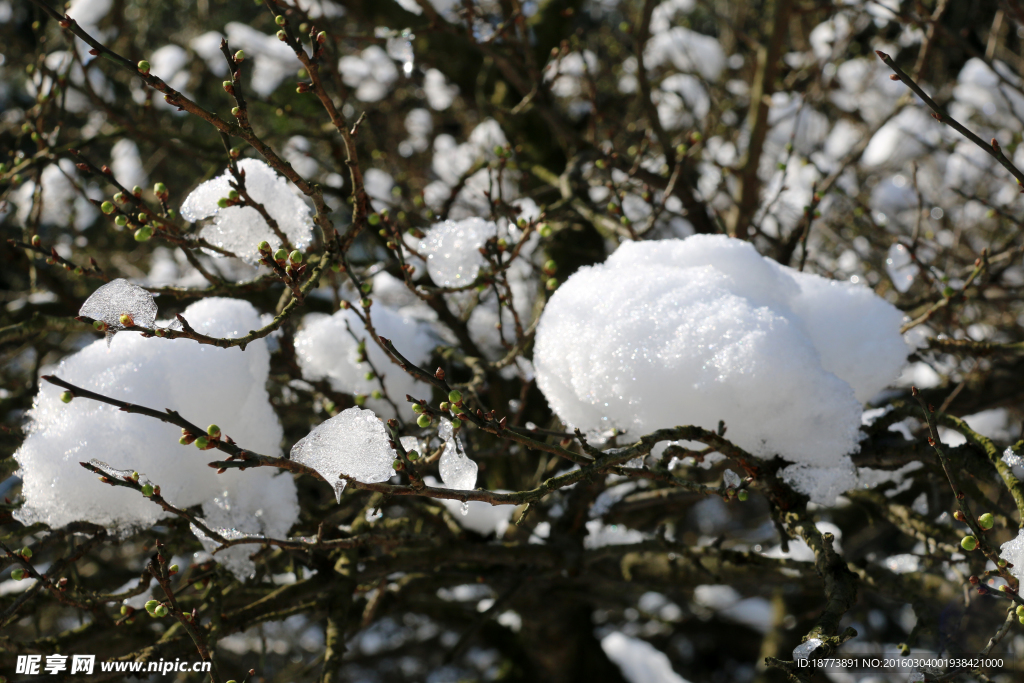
240 229
705 329
353 443
118 298
731 479
326 350
804 650
203 383
452 249
457 470
901 267
639 661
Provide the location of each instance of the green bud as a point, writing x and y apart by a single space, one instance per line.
742 495
280 255
986 521
969 543
1001 563
423 421
413 456
25 552
360 399
236 111
107 207
417 408
397 464
295 256
99 325
143 67
279 20
444 406
367 287
147 491
213 431
18 574
152 605
159 189
373 219
173 569
240 56
781 166
121 220
263 246
126 320
232 194
365 303
369 375
137 191
135 476
124 609
282 36
160 611
552 283
223 202
550 265
184 441
335 267
202 442
546 231
143 234
456 423
454 395
948 292
376 394
119 198
36 240
1020 610
66 396
227 85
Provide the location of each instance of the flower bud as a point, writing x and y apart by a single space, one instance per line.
413 456
99 325
279 20
107 207
223 202
445 406
25 552
127 320
417 408
135 476
240 56
423 421
551 284
173 569
236 111
456 423
282 36
360 399
160 611
36 240
365 303
280 255
376 394
546 231
213 431
369 375
152 605
228 86
295 256
397 464
969 543
121 220
147 491
66 396
143 67
742 495
124 609
454 395
986 521
202 442
263 246
143 234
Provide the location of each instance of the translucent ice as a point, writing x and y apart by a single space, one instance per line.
326 350
804 650
239 229
452 249
1013 552
203 383
705 329
353 443
117 298
457 470
731 479
901 267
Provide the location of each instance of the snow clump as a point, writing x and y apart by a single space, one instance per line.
456 469
1013 552
452 249
705 329
204 384
353 443
240 229
326 350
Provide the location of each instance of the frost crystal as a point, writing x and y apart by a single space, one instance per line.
326 350
452 248
240 229
457 470
901 267
705 329
804 650
203 383
352 443
117 298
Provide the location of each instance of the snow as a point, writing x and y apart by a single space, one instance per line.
705 329
452 249
126 164
639 661
61 203
440 94
371 73
901 267
273 61
1013 552
326 350
240 229
205 384
354 443
116 298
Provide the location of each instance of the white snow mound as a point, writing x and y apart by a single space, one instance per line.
240 229
694 331
205 384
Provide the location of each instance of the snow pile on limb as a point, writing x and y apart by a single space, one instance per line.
204 384
353 443
681 332
326 349
240 229
117 299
